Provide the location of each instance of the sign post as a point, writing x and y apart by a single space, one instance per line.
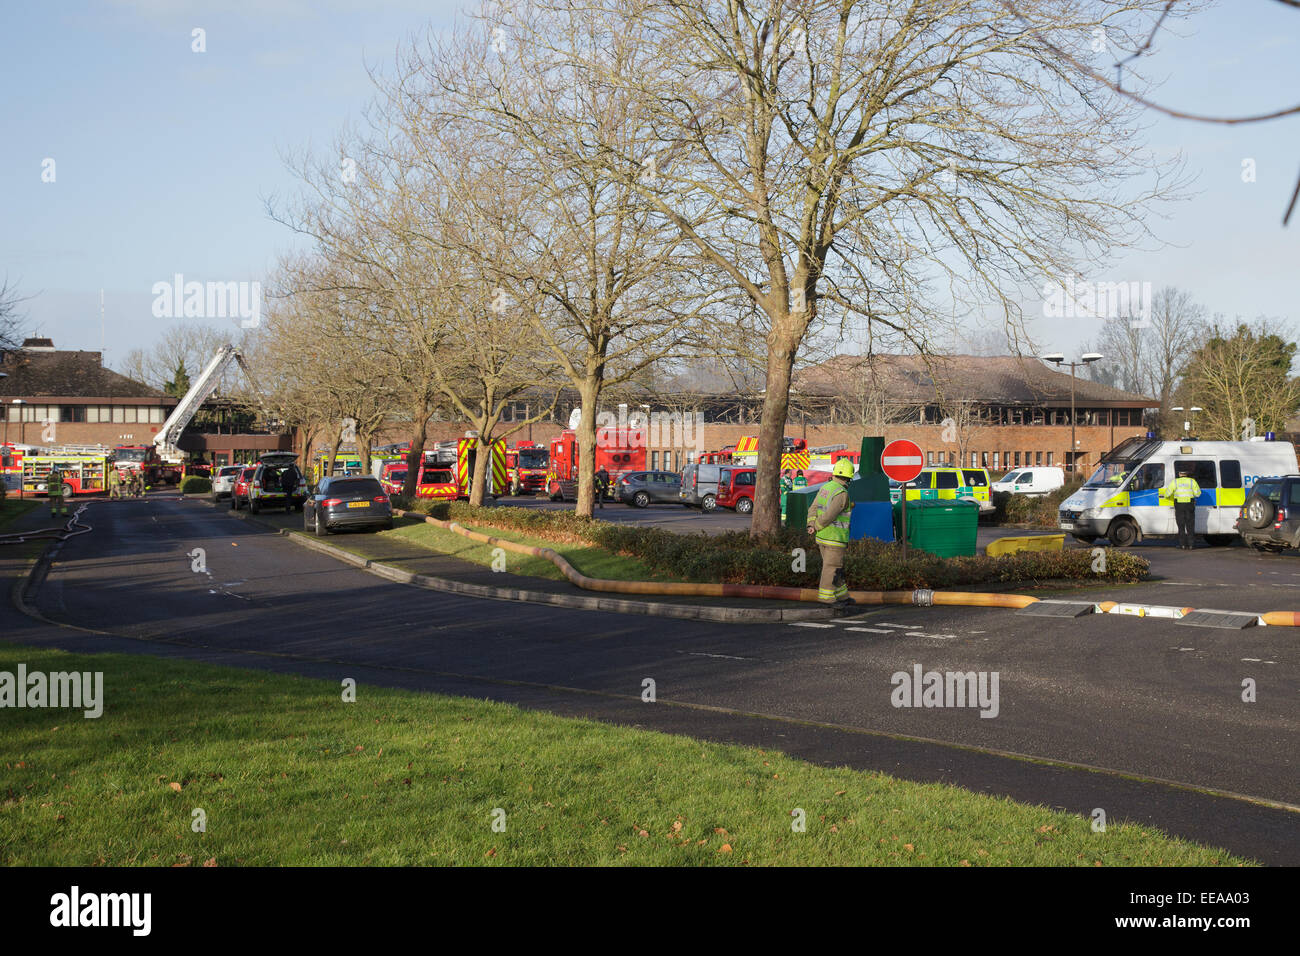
902 460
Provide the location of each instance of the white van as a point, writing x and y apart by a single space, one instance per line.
1122 500
1034 482
700 486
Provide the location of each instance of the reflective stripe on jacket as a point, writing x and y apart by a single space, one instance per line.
829 514
1185 490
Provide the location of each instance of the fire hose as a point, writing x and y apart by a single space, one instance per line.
921 597
50 534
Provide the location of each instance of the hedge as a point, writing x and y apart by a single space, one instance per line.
195 485
735 557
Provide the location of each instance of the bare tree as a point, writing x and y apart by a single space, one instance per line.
11 317
1241 380
837 158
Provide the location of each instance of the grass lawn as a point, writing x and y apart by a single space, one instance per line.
12 506
288 773
591 561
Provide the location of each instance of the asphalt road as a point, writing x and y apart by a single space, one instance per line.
1146 698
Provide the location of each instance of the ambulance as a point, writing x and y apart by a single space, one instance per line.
1122 500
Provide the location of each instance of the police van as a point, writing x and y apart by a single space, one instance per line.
1122 501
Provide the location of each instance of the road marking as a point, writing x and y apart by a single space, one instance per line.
870 630
809 624
725 657
1257 660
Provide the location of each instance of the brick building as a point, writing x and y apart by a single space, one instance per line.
995 412
51 397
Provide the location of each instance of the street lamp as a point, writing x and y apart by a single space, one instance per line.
1188 426
1056 358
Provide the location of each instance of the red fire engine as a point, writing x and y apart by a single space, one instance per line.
619 451
526 467
141 458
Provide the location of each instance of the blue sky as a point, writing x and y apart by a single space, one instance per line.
165 157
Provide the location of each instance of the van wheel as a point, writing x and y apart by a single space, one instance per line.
1220 540
709 503
1259 512
254 506
1123 533
744 506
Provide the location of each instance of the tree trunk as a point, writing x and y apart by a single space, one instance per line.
328 469
415 456
478 477
589 394
771 434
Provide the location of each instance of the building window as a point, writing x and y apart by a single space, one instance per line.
974 462
929 458
995 461
156 415
984 459
1017 459
119 414
654 461
1038 458
668 461
1049 459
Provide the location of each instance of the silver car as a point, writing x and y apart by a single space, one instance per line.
223 482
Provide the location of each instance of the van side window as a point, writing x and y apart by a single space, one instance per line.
1148 477
1202 472
974 479
1295 493
1230 474
745 478
945 479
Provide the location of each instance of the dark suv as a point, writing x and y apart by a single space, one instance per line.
1270 519
641 488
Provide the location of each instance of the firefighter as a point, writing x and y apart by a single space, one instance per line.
54 489
828 521
1184 491
114 484
602 486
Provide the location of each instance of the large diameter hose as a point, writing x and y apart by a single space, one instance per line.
1281 618
920 597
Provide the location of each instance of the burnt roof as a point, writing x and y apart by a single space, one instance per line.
66 374
981 379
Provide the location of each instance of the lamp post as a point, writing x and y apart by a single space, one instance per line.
1189 424
1056 358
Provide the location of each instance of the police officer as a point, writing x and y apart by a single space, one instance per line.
828 521
1184 491
54 489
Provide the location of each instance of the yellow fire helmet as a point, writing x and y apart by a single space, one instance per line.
843 469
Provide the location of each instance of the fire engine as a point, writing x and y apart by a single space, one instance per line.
11 469
139 458
794 453
467 450
620 451
82 474
526 468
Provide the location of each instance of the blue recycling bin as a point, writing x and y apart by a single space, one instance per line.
872 519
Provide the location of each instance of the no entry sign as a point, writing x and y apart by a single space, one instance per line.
902 460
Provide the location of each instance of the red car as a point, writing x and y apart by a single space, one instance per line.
239 491
736 488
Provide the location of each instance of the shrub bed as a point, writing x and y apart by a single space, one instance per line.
195 485
734 557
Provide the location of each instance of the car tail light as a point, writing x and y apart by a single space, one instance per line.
381 499
1281 515
331 502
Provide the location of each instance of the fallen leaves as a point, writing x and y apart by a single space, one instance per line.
175 786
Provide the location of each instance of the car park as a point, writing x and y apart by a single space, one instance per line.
223 482
1270 520
643 488
1122 501
341 502
736 489
239 489
699 486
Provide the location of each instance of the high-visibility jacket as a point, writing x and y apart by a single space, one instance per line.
829 515
54 484
800 481
1184 490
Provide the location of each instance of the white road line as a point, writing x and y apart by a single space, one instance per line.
809 624
725 657
870 630
1257 660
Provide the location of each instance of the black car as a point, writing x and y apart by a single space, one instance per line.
347 502
641 488
1270 519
